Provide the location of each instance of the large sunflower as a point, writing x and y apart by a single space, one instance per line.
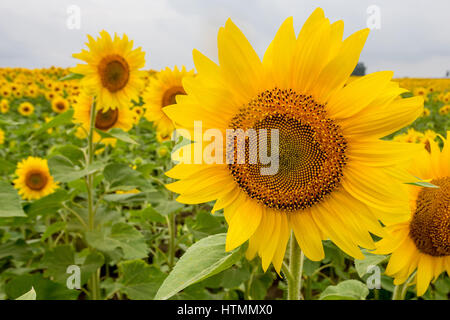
335 177
112 70
162 92
422 242
34 180
106 118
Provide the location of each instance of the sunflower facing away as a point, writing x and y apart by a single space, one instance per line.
162 92
34 180
336 178
112 70
422 242
105 119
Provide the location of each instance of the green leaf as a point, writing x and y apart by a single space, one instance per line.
371 259
122 177
72 76
62 119
126 197
422 184
91 264
52 229
30 295
6 167
10 205
57 260
346 290
47 205
116 133
167 207
120 235
63 170
71 152
203 259
139 281
45 288
18 250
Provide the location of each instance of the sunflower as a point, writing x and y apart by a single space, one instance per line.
422 242
26 109
4 106
162 92
336 178
60 105
2 136
34 180
112 70
106 118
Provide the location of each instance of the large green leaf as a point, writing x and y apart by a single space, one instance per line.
10 205
138 280
203 259
48 204
63 170
62 119
346 290
57 260
45 288
120 235
122 177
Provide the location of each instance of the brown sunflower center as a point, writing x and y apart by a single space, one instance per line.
170 95
36 180
60 106
311 150
106 120
430 225
114 72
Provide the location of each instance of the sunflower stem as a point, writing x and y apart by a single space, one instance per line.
401 289
296 258
95 278
171 223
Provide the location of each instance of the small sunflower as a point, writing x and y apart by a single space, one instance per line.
335 179
112 70
422 242
106 118
4 106
34 179
26 109
162 92
444 110
60 105
2 136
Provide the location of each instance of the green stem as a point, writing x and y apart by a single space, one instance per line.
401 289
171 224
296 258
95 278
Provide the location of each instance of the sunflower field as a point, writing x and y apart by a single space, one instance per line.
99 199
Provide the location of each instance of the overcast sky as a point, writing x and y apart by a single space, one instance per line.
413 39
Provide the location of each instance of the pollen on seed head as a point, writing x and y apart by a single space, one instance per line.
311 151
